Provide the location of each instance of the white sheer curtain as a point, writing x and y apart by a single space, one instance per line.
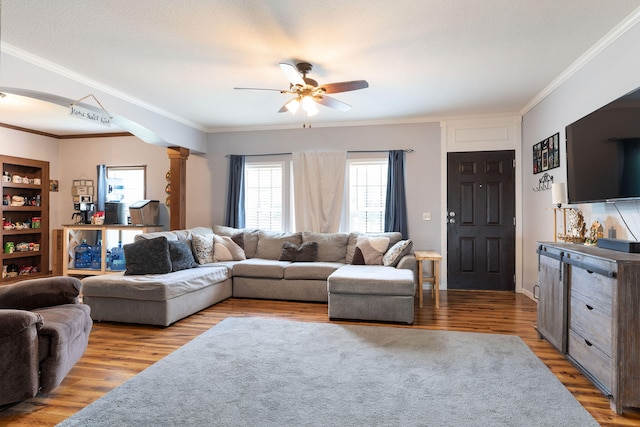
318 182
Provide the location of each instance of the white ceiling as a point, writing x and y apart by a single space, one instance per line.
423 59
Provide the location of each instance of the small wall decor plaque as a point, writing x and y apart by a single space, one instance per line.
546 154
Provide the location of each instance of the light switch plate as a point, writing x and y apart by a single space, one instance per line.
426 216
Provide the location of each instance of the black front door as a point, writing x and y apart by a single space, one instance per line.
481 220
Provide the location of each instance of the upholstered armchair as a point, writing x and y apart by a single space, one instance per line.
44 331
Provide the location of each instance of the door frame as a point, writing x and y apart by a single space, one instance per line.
482 134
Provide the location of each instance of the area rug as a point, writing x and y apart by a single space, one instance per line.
272 372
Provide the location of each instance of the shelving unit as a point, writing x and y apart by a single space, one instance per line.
36 194
74 234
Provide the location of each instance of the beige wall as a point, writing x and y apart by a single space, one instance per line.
422 167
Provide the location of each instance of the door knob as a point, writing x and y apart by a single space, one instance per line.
452 220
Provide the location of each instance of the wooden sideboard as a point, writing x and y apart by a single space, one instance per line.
589 309
74 234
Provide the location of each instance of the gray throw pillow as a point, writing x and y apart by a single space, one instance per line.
181 255
147 256
306 252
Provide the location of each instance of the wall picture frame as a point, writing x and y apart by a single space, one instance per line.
546 154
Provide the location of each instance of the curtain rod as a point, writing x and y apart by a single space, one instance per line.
406 150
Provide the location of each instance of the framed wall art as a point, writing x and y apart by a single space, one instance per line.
546 154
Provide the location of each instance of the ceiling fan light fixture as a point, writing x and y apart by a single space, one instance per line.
293 105
309 106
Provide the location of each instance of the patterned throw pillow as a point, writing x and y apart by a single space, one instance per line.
372 249
225 248
203 247
393 256
306 252
147 256
181 255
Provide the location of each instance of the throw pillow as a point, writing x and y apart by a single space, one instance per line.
372 248
357 259
150 256
238 238
181 255
226 249
306 252
203 247
393 256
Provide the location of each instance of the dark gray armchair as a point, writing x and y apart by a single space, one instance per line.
44 331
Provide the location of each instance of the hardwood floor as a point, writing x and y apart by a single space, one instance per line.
117 352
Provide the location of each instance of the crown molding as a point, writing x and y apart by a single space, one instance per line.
625 25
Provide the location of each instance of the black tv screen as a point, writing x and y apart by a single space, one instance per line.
603 153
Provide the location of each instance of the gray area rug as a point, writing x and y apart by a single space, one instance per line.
272 372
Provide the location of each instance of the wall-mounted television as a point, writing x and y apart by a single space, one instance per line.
603 153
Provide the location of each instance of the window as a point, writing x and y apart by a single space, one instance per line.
367 193
125 184
269 198
264 196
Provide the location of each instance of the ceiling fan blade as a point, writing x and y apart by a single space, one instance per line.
332 103
259 88
345 86
292 74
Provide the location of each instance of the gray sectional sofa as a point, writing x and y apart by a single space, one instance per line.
281 266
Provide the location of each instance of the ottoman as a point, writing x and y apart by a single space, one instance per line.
371 292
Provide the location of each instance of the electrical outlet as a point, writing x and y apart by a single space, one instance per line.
426 216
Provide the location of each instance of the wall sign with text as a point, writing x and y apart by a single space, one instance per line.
546 154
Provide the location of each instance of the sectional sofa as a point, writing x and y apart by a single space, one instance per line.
173 274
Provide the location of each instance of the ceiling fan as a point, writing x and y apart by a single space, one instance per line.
307 93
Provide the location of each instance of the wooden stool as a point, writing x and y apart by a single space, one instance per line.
435 259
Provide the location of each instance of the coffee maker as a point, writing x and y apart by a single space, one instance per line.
83 212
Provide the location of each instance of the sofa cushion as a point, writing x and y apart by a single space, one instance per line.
306 252
147 256
318 270
395 253
332 247
154 287
251 243
257 267
203 247
226 249
372 249
371 280
181 255
175 234
270 243
223 230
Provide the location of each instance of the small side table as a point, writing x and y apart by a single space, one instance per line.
435 259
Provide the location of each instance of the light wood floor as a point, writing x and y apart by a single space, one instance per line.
117 352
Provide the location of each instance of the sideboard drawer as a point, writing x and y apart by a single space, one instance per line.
592 321
594 286
593 360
